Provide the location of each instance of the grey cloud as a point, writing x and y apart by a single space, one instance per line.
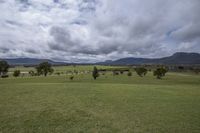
60 35
189 32
10 22
62 39
87 5
4 50
32 51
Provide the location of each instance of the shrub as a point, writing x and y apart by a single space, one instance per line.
16 73
181 68
57 73
32 73
196 70
4 76
71 77
129 73
121 72
141 71
115 73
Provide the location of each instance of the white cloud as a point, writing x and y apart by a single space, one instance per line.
96 30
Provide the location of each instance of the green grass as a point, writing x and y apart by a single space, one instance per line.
109 104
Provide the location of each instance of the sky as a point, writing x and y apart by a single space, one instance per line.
98 30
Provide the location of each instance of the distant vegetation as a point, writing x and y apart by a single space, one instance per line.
129 73
46 68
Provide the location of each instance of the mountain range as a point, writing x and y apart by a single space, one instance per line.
177 58
29 61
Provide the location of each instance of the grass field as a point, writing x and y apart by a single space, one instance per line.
54 104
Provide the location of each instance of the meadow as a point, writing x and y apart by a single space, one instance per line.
110 104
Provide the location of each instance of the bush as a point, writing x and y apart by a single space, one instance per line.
141 71
121 72
196 70
181 68
16 73
71 77
115 73
32 73
103 73
4 76
160 72
57 73
129 73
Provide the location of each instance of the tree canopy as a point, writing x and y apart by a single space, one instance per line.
95 73
141 71
160 72
44 68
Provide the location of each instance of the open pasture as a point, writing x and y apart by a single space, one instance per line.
109 104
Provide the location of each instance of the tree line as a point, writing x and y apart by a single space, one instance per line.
141 71
45 68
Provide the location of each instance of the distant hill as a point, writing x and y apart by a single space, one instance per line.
30 61
177 58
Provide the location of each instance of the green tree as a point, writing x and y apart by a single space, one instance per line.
160 72
95 73
3 68
44 68
16 73
141 71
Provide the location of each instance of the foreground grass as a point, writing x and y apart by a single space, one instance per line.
109 104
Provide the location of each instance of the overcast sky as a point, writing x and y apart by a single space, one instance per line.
98 30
